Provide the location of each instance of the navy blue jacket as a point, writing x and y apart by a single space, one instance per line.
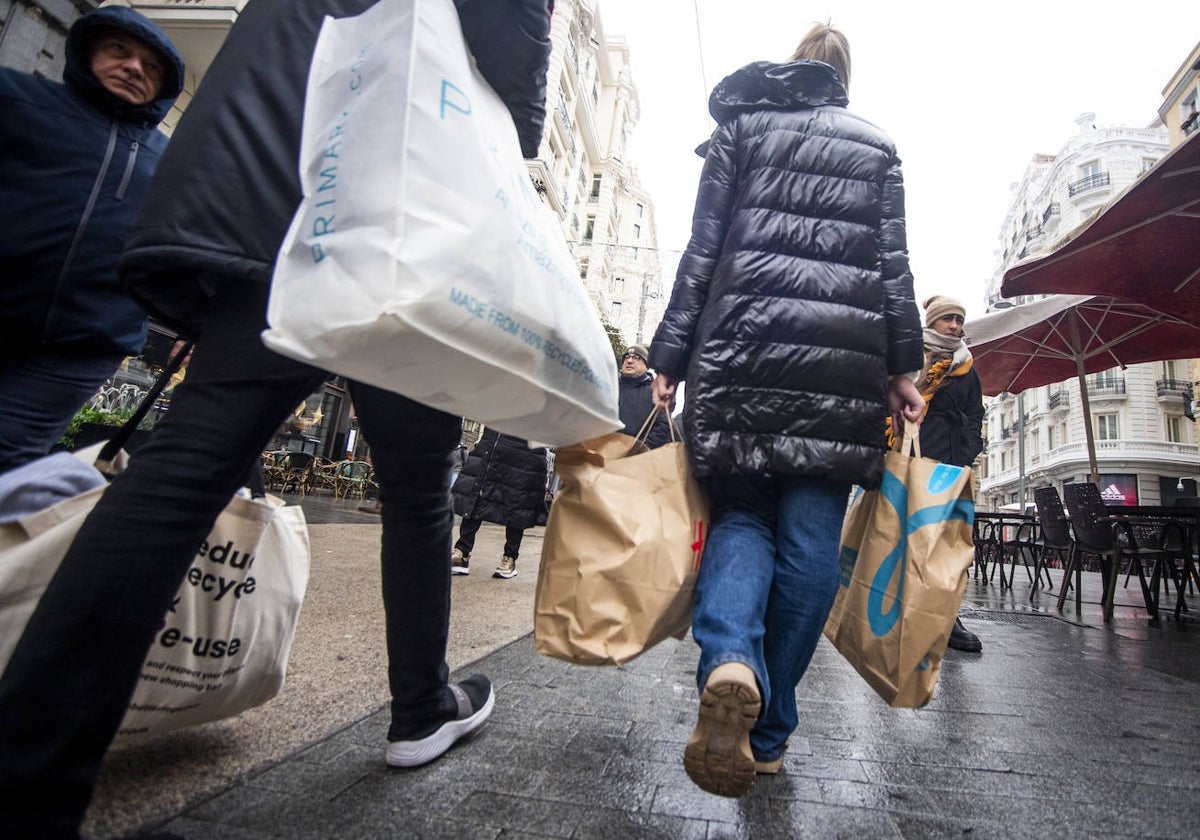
636 400
229 184
74 163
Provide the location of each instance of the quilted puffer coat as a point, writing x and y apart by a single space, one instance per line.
229 184
793 302
503 481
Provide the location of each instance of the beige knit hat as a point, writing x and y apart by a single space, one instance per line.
940 305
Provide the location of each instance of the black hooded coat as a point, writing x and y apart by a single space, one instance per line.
503 481
793 302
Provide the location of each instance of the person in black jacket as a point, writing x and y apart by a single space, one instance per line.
503 481
77 158
202 254
793 321
952 431
636 397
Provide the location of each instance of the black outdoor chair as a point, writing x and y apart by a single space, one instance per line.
987 546
1158 543
1054 535
1093 534
1023 546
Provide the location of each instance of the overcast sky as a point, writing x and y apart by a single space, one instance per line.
969 92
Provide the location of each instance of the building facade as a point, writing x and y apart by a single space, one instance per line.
585 175
1145 439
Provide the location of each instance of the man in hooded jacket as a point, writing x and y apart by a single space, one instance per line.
77 157
202 256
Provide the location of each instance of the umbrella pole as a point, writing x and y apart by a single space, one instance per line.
1089 434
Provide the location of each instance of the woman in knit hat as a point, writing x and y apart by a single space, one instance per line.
952 429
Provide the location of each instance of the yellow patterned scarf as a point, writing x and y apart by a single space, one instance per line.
936 378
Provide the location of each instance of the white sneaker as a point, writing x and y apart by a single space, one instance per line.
475 701
507 568
459 563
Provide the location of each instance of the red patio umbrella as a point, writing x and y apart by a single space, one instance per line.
1144 246
1060 336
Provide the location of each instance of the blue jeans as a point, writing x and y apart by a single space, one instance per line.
766 584
40 392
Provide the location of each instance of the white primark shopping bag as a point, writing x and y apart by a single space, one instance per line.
223 647
421 259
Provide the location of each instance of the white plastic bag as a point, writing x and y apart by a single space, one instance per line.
421 259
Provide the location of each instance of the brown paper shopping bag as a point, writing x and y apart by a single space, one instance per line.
905 551
621 551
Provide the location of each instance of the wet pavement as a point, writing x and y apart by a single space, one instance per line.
1062 727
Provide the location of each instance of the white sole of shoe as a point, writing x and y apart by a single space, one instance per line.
505 575
416 753
459 570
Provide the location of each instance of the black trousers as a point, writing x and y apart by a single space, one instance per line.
470 527
65 690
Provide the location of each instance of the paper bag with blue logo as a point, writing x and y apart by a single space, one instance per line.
905 552
421 259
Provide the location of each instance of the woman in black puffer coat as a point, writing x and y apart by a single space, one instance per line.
503 481
793 321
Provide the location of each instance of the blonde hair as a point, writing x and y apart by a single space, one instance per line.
824 43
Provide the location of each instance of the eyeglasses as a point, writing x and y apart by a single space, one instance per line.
630 356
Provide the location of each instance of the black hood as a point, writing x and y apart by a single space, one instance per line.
766 86
78 73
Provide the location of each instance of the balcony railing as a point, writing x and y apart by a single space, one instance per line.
1174 388
1051 210
1087 182
1059 399
1107 388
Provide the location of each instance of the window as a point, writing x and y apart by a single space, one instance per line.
1090 169
595 194
1107 427
640 209
1051 438
1148 164
637 231
617 287
1175 429
1035 442
589 229
1106 378
615 310
1188 112
1169 370
583 269
1003 461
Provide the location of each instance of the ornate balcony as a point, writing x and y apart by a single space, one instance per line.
1087 182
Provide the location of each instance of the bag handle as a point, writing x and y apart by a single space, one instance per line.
910 442
104 461
643 434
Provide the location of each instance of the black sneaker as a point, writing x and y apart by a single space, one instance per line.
963 639
475 700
